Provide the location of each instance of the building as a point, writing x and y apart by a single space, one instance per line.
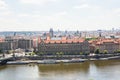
1 40
111 45
25 44
12 41
35 42
51 32
64 45
7 46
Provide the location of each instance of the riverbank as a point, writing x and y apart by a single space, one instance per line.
47 61
54 61
88 70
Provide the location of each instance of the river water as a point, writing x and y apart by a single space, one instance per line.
91 70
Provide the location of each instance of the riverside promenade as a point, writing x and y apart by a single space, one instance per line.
51 59
45 61
61 59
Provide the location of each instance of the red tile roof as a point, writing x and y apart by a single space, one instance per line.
64 41
102 41
2 40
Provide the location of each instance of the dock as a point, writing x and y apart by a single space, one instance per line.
44 62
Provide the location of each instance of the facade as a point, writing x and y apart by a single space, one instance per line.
1 40
11 44
111 45
12 41
25 43
7 45
35 42
51 32
66 46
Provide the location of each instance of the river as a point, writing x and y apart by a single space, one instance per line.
91 70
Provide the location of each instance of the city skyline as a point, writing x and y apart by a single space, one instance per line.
70 15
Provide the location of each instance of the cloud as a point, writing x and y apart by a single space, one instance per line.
117 10
37 2
81 6
4 9
61 13
86 6
23 15
6 13
3 5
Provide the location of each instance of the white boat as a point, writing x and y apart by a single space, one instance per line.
103 59
17 62
76 60
49 61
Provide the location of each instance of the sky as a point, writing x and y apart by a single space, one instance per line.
70 15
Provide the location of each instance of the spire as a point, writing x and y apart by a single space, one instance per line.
51 32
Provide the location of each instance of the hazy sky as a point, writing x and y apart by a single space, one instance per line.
39 15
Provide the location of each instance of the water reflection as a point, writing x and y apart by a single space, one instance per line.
2 67
64 71
64 67
94 70
106 63
105 70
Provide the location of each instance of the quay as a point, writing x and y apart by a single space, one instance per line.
54 60
44 61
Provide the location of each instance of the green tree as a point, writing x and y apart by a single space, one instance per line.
81 53
61 53
97 51
118 51
40 53
33 53
8 52
57 53
1 51
105 52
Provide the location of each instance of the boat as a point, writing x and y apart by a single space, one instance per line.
48 61
76 60
17 62
103 59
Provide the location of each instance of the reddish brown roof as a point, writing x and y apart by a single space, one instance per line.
64 41
2 40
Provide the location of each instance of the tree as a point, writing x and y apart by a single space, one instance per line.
33 53
118 51
105 51
40 53
1 51
97 51
8 52
86 53
81 53
61 53
58 54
